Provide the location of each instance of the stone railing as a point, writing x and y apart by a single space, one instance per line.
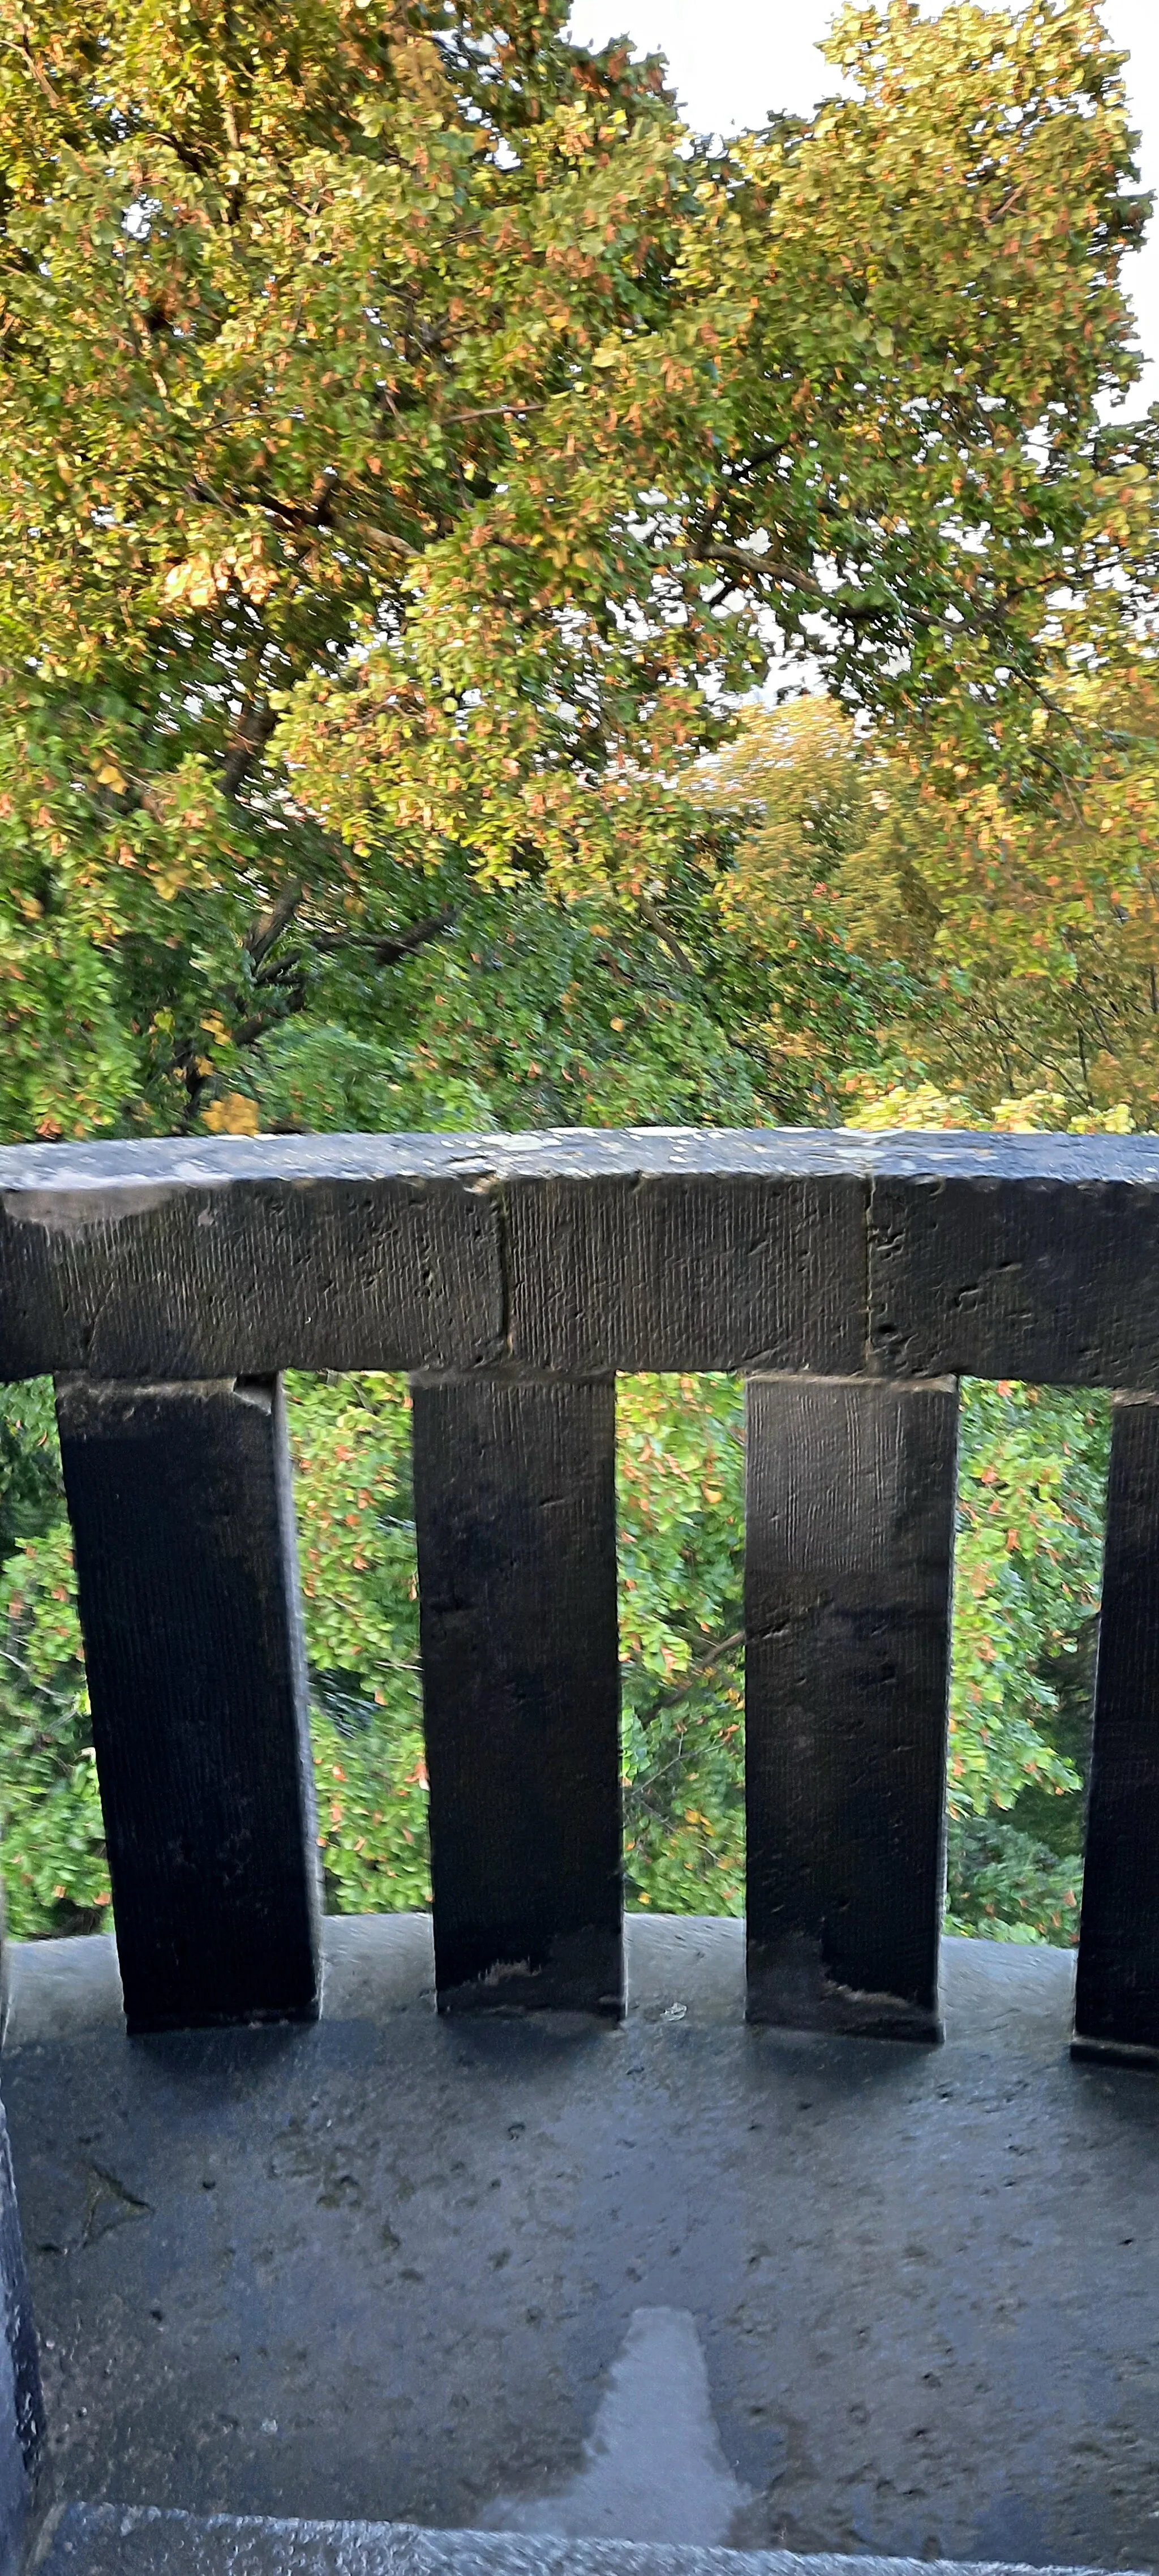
851 1279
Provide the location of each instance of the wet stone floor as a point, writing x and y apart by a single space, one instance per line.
678 2280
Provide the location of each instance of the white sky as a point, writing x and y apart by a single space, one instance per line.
733 60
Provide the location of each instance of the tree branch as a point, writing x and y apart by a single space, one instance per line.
390 952
667 938
691 1677
766 567
292 979
268 927
253 733
494 411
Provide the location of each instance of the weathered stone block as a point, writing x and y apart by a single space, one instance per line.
182 1517
1117 1984
849 1540
1016 1256
515 1509
245 1257
687 1270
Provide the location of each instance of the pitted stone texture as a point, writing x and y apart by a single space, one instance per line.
580 1251
849 1534
386 2266
103 2540
183 1525
1117 1994
170 1262
515 1516
21 2409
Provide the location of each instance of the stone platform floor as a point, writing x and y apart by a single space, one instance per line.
677 2281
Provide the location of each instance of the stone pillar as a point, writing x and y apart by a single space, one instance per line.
1117 1986
848 1574
515 1501
182 1516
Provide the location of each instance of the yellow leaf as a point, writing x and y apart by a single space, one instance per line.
233 1115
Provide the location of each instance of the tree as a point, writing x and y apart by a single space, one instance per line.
408 434
1031 1508
1010 948
413 444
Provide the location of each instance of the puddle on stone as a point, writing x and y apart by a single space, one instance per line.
653 2466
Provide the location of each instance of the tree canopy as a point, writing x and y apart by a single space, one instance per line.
414 446
412 440
1009 949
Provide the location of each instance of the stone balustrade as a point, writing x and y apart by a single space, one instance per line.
851 1279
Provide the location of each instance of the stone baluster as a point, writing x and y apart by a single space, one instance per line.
182 1517
849 1552
515 1509
1117 1985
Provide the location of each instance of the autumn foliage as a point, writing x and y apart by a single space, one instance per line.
412 440
416 448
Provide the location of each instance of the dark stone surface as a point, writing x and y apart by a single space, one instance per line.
21 2405
849 1529
717 1271
384 2266
1117 1989
515 1508
918 1255
101 2540
183 1521
1025 1275
200 1273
